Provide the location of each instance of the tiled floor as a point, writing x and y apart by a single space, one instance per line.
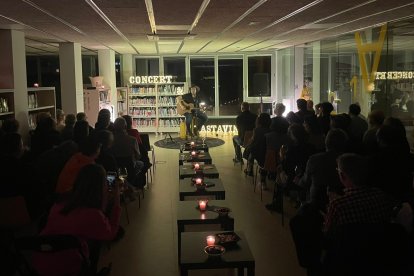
150 243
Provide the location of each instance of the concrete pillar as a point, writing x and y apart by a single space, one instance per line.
106 61
316 69
126 68
13 74
71 81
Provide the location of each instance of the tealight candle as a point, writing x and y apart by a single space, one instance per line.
196 166
211 240
198 180
192 144
193 153
203 216
202 204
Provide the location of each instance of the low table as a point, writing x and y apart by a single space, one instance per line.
188 214
209 170
197 146
193 255
187 188
204 157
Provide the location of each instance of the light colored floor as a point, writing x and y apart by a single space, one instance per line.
150 243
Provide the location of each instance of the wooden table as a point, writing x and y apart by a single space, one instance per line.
209 171
198 146
204 157
187 188
188 214
193 255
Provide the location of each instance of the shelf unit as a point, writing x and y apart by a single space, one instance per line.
153 106
6 104
121 99
95 99
40 99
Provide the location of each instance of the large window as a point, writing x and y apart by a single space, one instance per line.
90 68
147 66
230 75
175 66
259 76
202 75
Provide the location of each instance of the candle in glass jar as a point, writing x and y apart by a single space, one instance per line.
202 204
198 180
196 166
192 144
211 240
193 153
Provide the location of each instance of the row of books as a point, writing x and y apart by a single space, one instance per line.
171 88
122 107
137 123
170 111
142 101
32 100
143 90
169 122
148 112
167 100
105 95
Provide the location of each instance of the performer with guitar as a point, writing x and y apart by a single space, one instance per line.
189 106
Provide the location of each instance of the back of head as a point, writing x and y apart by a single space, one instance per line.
120 125
46 124
11 145
341 121
280 125
393 137
376 118
70 120
60 115
105 138
336 140
264 120
90 146
355 167
128 120
326 108
104 119
245 106
302 104
81 116
312 124
80 131
280 109
397 124
298 133
10 126
292 118
309 104
87 190
354 109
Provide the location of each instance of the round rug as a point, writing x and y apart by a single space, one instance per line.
177 141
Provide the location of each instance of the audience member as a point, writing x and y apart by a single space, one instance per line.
45 136
358 124
244 122
104 120
106 159
315 136
279 110
318 109
292 118
82 215
324 117
360 203
309 106
80 132
375 120
81 116
10 126
67 131
302 110
60 120
90 150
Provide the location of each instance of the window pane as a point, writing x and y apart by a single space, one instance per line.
147 66
259 72
202 75
175 66
230 86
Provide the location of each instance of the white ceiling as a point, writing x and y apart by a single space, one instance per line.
224 26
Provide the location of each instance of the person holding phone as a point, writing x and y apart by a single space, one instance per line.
91 213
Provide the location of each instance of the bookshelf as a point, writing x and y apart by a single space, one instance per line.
95 99
40 99
6 104
153 107
121 99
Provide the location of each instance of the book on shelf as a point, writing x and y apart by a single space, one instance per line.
171 89
148 112
4 105
137 123
105 96
143 90
169 122
142 101
32 101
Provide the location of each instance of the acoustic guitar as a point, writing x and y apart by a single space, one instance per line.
183 107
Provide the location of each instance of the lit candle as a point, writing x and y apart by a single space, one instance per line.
196 166
211 240
193 153
36 85
192 144
203 216
202 204
198 180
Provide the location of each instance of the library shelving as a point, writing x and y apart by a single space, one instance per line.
40 99
95 99
153 107
6 104
121 99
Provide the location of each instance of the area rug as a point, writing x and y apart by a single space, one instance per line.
177 141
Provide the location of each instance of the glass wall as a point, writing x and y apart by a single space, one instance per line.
202 74
230 76
259 75
147 66
175 66
90 68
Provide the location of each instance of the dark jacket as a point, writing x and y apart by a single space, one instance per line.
258 146
244 122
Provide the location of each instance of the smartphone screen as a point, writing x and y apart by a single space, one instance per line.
110 177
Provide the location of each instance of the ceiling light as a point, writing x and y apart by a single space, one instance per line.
200 12
151 17
252 23
173 37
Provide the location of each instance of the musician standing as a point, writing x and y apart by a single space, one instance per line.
188 101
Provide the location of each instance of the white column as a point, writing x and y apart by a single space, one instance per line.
13 74
299 59
316 68
106 60
71 81
126 68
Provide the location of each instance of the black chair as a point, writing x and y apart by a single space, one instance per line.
148 147
369 249
48 244
133 177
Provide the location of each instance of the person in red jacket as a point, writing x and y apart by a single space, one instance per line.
81 215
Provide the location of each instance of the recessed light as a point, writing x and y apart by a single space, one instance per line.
252 23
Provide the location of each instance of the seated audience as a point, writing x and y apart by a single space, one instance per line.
45 136
324 117
303 110
106 159
134 133
104 120
375 120
309 105
279 110
81 116
80 132
244 122
89 151
358 124
60 120
83 215
315 135
67 131
10 126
